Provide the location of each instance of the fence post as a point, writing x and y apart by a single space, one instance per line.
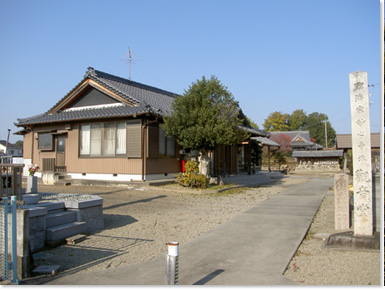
172 267
5 229
14 241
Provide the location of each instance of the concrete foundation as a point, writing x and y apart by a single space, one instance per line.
348 240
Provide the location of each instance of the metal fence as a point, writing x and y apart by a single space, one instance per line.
5 265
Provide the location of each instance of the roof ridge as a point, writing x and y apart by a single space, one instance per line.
97 73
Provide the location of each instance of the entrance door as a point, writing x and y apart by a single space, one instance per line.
60 154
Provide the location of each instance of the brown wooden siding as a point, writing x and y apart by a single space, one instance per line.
163 165
153 141
119 165
27 146
78 164
134 138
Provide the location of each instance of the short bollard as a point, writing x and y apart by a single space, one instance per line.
172 266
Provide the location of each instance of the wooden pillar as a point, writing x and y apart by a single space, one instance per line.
268 158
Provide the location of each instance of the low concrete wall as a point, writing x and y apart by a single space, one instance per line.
32 226
37 228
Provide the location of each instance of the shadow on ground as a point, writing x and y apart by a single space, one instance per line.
112 221
91 256
133 202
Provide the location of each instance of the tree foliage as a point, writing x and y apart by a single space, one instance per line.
276 121
252 123
19 143
297 120
284 141
192 178
316 126
206 115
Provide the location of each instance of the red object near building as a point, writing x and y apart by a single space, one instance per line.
183 163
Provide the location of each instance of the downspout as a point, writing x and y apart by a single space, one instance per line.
145 125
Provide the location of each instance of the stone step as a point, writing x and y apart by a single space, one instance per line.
60 218
53 206
64 231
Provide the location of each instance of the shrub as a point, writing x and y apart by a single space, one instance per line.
192 178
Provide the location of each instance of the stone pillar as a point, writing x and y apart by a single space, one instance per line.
341 202
31 184
24 262
362 164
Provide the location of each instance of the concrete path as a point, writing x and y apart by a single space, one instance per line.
253 248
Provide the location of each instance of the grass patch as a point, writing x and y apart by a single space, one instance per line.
232 191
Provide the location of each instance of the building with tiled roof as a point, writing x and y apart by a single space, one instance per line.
10 149
107 127
300 140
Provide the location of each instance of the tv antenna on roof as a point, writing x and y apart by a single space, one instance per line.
129 62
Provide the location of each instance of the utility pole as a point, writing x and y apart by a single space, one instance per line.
326 133
6 146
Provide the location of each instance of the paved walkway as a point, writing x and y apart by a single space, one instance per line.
253 248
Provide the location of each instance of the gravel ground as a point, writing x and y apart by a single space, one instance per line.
315 265
139 221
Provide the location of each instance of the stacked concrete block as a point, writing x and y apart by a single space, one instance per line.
88 211
37 228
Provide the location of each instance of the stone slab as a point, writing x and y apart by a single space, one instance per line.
348 240
37 211
50 206
84 203
75 239
59 218
46 269
64 231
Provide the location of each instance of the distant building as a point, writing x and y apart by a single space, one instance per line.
344 142
12 149
310 156
300 140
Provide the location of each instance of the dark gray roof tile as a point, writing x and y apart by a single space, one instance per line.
147 99
86 114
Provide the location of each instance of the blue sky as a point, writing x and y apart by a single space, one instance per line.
271 55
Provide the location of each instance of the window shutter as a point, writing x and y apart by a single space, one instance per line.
134 138
153 141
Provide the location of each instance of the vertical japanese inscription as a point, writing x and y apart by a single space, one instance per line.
341 201
362 177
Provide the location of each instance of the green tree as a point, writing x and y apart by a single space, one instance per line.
315 123
252 123
19 143
276 122
297 120
206 115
